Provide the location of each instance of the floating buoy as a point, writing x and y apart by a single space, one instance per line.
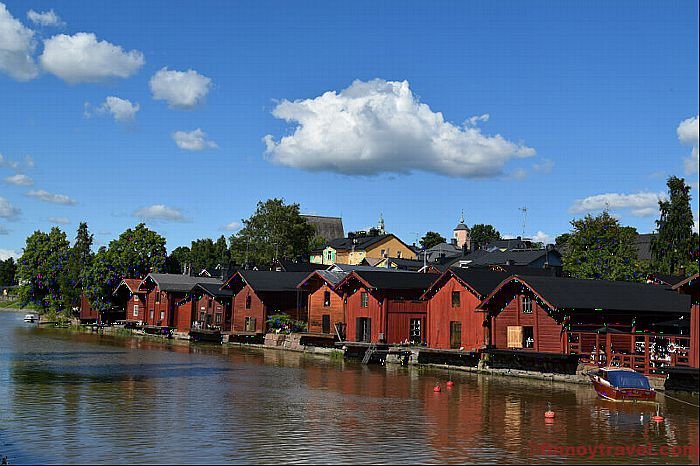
437 388
450 384
549 414
657 418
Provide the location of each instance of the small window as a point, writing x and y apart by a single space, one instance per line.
136 297
528 337
202 316
162 315
414 331
398 254
526 305
157 297
455 299
364 299
136 310
326 299
329 255
217 319
383 251
248 302
151 313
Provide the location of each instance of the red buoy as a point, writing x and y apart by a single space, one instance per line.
437 388
657 418
450 384
549 414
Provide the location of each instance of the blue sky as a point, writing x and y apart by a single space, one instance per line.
186 114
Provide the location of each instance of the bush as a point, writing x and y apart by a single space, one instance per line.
282 323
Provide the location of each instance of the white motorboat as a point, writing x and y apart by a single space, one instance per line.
31 318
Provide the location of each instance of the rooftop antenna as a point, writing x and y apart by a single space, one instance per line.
524 211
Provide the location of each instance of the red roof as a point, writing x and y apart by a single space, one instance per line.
133 284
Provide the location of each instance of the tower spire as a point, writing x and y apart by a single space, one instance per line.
381 224
461 218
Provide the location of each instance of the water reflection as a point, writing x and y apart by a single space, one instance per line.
87 398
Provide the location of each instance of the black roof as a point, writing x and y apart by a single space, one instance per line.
642 244
574 293
668 279
329 228
214 289
265 280
289 266
525 270
360 242
397 280
407 264
179 283
513 257
484 281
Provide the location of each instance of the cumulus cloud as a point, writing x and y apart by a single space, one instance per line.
688 134
7 253
82 58
59 220
45 18
381 127
542 237
52 198
233 226
181 89
642 204
472 121
194 140
19 180
17 45
121 109
7 210
545 166
160 212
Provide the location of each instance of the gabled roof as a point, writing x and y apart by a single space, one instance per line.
407 264
332 278
329 228
360 242
265 280
670 280
401 280
572 293
513 257
178 283
480 281
289 266
524 270
688 282
213 289
351 268
131 284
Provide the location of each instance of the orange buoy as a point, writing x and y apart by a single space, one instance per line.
450 384
437 388
549 414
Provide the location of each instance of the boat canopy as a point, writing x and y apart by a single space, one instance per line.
628 379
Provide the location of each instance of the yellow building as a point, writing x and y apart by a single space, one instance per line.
356 247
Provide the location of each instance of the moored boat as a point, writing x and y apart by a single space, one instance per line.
622 384
31 318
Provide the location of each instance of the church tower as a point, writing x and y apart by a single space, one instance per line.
461 234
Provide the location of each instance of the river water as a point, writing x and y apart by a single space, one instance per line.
69 397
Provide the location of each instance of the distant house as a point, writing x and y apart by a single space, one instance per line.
257 294
284 265
385 307
356 247
534 258
329 228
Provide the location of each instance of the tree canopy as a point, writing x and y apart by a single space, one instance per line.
8 272
482 234
431 239
674 248
600 248
274 231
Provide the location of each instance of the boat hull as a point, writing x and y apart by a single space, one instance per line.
608 392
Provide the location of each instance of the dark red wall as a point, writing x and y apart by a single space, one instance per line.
441 313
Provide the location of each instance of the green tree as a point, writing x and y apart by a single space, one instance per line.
431 239
600 248
222 253
8 272
44 271
134 254
274 231
481 235
178 258
674 248
80 259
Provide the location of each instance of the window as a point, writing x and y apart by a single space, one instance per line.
455 335
526 304
151 313
326 323
250 324
326 299
329 255
202 316
136 310
382 253
157 297
364 329
414 331
398 254
217 319
364 299
162 315
455 299
136 297
248 302
528 337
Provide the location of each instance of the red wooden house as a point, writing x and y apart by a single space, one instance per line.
257 294
88 314
453 319
326 310
607 321
132 299
206 306
383 307
691 286
163 292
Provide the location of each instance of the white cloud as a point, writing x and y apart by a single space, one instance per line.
19 180
82 58
545 166
688 134
4 162
181 89
52 198
59 220
17 45
473 121
542 237
160 212
7 253
381 127
45 18
642 204
121 109
194 140
233 226
7 210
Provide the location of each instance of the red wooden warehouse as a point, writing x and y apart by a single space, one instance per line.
691 286
385 307
453 319
257 294
206 306
326 311
132 299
